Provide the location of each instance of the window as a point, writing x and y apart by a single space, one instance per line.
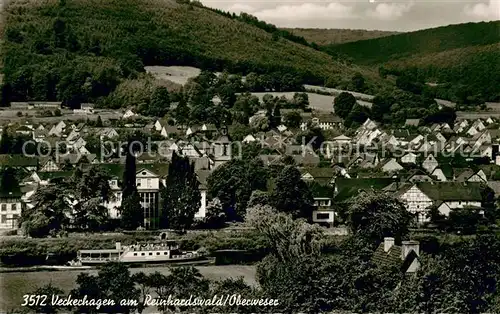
165 253
157 253
4 207
322 216
4 219
142 254
14 207
149 183
135 254
138 182
150 253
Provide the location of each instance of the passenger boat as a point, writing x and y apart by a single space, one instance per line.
166 251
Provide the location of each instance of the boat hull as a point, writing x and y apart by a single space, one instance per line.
145 261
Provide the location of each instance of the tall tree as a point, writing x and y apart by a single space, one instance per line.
181 196
89 189
5 142
132 215
373 216
343 104
160 102
181 112
291 194
234 182
99 123
129 175
50 213
8 180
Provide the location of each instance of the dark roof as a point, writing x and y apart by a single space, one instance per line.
318 173
320 190
463 174
18 161
347 188
116 170
452 191
54 175
387 259
14 193
308 159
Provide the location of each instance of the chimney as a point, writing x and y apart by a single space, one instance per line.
388 243
408 246
118 246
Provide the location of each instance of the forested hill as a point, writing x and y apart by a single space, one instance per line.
428 41
78 50
463 60
333 36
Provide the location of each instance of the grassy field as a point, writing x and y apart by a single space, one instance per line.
318 102
176 74
14 285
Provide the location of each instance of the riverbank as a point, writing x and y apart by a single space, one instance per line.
14 285
204 262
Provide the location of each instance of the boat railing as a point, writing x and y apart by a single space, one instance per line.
99 258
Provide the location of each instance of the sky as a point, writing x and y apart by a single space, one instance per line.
402 15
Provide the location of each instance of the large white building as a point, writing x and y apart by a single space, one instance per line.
149 185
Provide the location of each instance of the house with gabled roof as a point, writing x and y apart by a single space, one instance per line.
479 125
48 164
409 158
405 256
342 139
439 174
391 166
324 176
346 188
418 175
150 179
472 131
327 121
445 195
128 114
480 138
430 163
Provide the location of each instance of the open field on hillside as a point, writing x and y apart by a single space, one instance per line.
176 74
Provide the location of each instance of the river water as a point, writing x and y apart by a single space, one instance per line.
14 285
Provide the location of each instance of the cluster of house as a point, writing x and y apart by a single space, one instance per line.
42 170
407 162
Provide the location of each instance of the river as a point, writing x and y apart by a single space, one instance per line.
14 285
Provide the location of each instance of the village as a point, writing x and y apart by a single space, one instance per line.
441 165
